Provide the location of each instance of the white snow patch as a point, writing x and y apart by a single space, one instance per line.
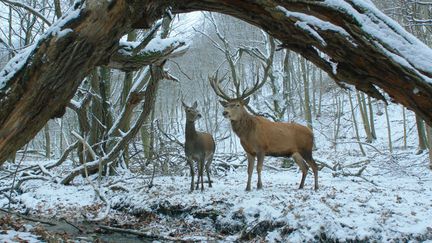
20 59
9 236
315 22
311 31
157 44
389 33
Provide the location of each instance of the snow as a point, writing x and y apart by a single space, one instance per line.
9 236
343 208
306 22
389 202
388 32
157 44
15 64
394 41
311 31
18 62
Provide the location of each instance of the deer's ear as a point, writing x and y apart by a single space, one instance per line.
195 105
184 105
223 103
246 101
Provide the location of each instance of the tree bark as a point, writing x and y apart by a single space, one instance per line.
46 78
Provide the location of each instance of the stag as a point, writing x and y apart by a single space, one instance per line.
199 147
261 137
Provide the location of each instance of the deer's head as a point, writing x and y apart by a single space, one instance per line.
234 109
192 114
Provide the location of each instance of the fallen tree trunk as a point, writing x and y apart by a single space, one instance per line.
350 40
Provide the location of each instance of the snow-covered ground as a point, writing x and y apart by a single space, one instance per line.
390 201
380 196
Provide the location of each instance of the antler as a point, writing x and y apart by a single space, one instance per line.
256 86
266 66
215 84
267 63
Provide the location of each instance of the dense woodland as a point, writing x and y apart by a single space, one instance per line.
123 134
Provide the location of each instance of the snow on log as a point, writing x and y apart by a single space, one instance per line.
128 58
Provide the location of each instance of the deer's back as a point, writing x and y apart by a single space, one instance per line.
278 138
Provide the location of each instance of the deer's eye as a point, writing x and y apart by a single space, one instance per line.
238 105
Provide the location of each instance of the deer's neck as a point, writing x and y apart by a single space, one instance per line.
191 133
245 125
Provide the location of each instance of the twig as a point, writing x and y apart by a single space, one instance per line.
363 143
64 155
172 139
97 191
73 225
28 8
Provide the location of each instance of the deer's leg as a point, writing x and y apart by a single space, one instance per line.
303 167
311 162
207 167
201 173
251 161
192 172
260 162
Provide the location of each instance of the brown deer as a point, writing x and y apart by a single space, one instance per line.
260 137
199 147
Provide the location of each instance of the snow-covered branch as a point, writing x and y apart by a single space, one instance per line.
157 50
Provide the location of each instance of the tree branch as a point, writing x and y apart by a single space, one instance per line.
28 8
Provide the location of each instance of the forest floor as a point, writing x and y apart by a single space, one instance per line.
366 198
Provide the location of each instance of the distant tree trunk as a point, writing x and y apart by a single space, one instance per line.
61 136
147 136
404 128
429 135
314 105
320 92
288 83
47 142
354 120
338 103
10 32
57 8
421 135
127 85
389 130
371 118
307 106
364 116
